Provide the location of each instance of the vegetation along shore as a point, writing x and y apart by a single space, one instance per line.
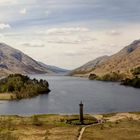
133 80
17 86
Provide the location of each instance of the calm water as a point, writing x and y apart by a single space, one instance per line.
67 92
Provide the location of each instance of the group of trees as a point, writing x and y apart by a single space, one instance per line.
22 86
134 81
108 77
136 71
113 77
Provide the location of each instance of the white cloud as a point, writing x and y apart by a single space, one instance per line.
32 45
69 35
69 39
1 36
114 33
47 13
2 2
67 30
72 53
4 26
23 11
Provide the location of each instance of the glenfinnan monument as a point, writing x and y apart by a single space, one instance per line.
81 113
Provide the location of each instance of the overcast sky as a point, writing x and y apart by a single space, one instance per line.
68 33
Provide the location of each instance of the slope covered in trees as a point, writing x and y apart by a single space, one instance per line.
135 81
22 86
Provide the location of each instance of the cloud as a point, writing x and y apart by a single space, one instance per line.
70 40
4 26
113 33
1 36
3 2
67 30
47 13
72 53
33 45
23 11
69 35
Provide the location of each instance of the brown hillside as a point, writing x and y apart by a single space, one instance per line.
123 61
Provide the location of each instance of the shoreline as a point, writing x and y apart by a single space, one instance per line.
7 97
72 114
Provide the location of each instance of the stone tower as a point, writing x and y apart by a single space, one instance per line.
81 113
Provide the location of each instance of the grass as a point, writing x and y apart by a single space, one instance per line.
109 114
40 127
124 130
6 96
137 113
55 127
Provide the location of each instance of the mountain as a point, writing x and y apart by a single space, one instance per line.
14 61
90 66
54 69
122 62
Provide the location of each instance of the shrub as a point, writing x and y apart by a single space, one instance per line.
112 77
135 82
136 71
93 76
36 121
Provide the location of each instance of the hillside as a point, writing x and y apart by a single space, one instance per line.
54 69
122 62
14 61
90 66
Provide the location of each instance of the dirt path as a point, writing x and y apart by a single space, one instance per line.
81 132
83 129
98 117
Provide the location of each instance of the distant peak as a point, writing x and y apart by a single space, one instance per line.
133 46
1 43
4 45
136 42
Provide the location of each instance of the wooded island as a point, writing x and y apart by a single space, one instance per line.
17 86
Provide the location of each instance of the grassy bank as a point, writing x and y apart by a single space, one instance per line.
123 130
115 126
7 96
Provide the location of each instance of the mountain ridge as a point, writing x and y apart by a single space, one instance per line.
54 69
89 66
14 61
120 62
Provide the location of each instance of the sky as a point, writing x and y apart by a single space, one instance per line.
69 33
